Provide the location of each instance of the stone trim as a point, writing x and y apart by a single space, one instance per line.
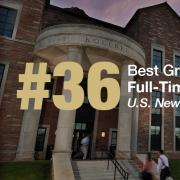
162 126
150 112
90 36
174 124
112 32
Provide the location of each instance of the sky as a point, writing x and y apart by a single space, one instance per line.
117 12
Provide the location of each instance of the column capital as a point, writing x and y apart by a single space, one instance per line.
127 62
77 49
75 54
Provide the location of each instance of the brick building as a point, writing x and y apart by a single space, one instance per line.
35 31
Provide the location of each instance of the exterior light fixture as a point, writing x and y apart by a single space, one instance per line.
103 134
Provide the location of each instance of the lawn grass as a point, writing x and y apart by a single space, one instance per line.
35 170
175 169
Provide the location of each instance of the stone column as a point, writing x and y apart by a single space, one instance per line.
29 128
66 119
123 149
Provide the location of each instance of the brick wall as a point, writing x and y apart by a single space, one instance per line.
16 53
160 25
106 120
157 24
30 21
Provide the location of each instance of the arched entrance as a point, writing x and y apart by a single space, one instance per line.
87 44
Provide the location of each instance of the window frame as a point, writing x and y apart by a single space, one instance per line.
174 116
175 53
2 85
110 136
16 6
158 48
150 123
44 138
1 79
47 127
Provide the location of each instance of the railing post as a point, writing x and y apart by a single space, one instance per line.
117 166
115 172
108 164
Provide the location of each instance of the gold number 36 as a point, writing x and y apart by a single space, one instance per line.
75 92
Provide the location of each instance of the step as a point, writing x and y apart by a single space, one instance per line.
97 170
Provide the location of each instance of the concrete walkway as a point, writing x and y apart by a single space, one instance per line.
62 168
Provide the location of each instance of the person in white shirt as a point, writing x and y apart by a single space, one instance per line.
163 165
85 146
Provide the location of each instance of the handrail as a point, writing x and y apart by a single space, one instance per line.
118 167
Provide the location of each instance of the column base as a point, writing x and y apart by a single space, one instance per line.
133 154
123 154
62 152
24 156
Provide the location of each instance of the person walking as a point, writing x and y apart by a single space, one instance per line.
147 169
85 146
163 166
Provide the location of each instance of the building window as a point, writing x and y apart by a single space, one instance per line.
157 59
2 68
40 139
177 125
156 122
156 95
80 126
114 138
113 141
177 63
7 21
49 86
